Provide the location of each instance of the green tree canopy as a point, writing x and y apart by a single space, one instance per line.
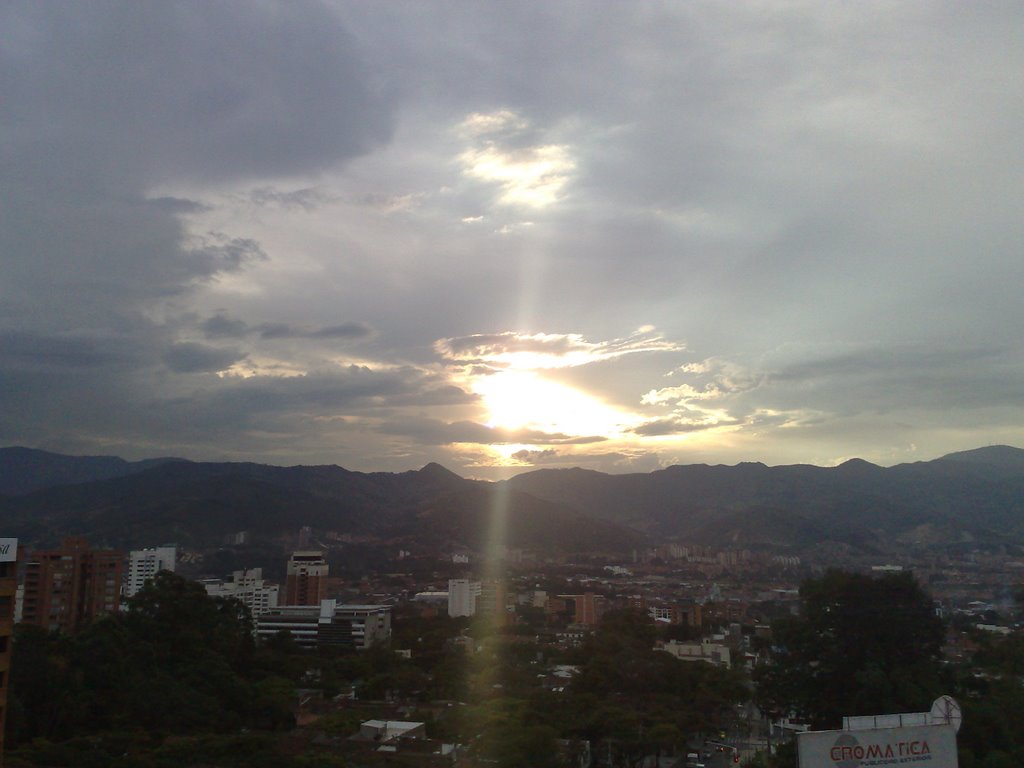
861 646
177 661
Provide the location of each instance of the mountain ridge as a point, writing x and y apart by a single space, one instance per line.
966 496
201 503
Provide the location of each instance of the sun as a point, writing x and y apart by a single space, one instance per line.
525 400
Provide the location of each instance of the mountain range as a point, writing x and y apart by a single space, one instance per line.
200 503
967 499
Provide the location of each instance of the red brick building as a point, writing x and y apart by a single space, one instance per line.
306 579
69 587
8 586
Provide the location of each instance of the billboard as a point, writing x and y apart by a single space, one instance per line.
926 746
8 550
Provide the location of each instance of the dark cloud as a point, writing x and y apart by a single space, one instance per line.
438 394
806 387
276 331
191 357
177 205
220 325
59 352
320 392
217 252
147 96
342 331
437 432
661 427
535 457
350 330
308 199
212 91
888 378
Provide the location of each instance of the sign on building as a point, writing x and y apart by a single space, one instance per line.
924 746
8 550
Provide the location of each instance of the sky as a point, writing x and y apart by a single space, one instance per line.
506 236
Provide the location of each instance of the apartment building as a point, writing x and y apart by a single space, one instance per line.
248 587
462 597
69 587
144 564
306 578
8 586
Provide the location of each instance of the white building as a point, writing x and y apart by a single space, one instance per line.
706 650
145 564
248 587
353 626
387 730
462 595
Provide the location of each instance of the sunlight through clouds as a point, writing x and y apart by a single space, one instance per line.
261 366
514 375
517 399
532 175
535 351
369 225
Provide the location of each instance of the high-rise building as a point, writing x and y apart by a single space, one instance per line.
493 602
586 609
144 564
248 587
306 579
68 587
8 586
462 596
589 609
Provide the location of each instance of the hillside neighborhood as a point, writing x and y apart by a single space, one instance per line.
434 618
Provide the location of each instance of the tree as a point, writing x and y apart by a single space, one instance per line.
177 662
179 619
861 646
993 703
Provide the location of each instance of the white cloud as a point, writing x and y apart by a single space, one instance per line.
540 351
529 174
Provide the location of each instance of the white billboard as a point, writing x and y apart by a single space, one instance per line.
925 746
8 550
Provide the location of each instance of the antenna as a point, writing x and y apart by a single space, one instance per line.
945 711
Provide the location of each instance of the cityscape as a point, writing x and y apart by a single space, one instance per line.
494 626
509 384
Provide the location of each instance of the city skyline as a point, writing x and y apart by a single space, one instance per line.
507 236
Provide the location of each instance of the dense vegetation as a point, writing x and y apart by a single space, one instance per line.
626 699
178 680
860 646
178 663
867 645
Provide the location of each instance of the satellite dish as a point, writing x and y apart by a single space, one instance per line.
945 711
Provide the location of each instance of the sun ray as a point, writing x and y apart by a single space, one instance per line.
526 400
